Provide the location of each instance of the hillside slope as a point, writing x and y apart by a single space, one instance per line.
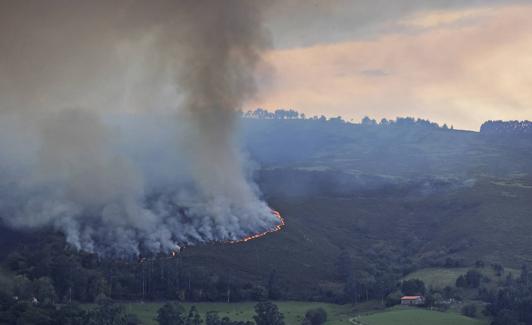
395 198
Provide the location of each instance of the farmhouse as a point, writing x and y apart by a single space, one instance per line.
412 300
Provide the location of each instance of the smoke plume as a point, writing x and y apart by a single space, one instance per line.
117 121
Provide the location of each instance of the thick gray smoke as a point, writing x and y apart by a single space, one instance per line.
117 120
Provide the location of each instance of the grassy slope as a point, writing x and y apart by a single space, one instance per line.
415 316
293 311
439 278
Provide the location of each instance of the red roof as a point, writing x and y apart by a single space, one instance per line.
410 297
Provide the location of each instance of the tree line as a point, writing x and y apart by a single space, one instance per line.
290 114
507 127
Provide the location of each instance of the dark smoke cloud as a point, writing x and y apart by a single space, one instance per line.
87 90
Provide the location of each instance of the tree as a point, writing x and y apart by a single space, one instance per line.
525 275
413 287
351 291
368 121
385 122
344 265
71 315
506 317
259 293
461 282
193 317
212 318
133 319
469 310
97 287
107 313
274 292
498 268
44 290
316 316
473 278
29 314
22 287
267 313
170 314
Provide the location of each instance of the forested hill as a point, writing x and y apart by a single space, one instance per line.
404 147
395 196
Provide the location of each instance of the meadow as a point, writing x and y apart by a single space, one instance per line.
439 278
337 314
293 311
415 316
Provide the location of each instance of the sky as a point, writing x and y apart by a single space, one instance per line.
454 62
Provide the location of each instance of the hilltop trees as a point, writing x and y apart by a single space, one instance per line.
507 127
279 114
290 114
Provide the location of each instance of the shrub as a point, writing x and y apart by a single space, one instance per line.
315 316
469 310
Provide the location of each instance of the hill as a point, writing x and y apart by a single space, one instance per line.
396 197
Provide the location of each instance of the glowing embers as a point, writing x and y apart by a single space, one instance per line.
278 227
280 224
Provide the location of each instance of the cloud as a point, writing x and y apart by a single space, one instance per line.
458 74
374 73
302 23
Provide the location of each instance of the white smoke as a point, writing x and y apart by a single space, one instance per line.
117 121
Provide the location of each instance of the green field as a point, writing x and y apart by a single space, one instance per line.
437 277
416 316
337 314
293 311
441 277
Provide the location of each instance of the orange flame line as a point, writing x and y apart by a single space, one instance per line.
243 240
251 237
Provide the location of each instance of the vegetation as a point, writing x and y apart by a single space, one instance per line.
294 312
416 316
317 316
441 221
268 313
